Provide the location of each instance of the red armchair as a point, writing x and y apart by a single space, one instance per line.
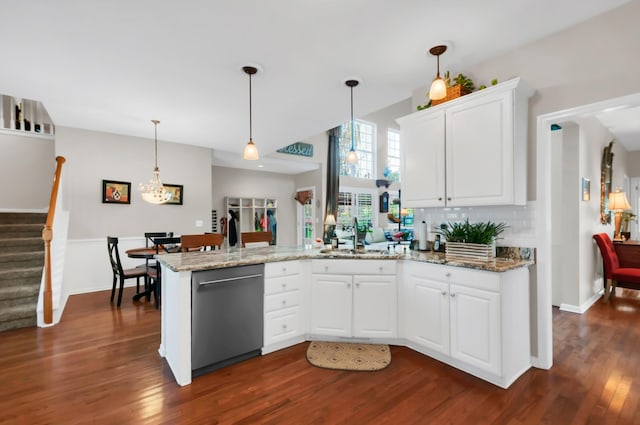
614 274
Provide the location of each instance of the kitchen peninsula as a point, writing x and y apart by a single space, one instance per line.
473 316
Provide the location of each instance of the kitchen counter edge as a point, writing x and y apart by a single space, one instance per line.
195 261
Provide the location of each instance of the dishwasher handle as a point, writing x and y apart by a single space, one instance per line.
228 279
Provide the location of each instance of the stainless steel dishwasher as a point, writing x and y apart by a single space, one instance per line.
226 316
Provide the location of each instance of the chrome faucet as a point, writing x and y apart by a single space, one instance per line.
355 234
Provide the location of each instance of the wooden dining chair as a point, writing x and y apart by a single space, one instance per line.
201 242
614 275
118 272
247 237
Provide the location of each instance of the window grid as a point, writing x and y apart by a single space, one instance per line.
353 202
364 146
393 155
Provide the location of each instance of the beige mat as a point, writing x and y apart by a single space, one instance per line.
348 356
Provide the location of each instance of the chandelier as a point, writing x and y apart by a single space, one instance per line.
154 192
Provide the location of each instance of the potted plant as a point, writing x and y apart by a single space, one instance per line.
471 241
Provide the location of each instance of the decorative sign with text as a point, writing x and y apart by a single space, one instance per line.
298 148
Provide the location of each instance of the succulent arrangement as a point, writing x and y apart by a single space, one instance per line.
480 233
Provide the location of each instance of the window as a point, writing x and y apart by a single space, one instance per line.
364 145
356 202
393 155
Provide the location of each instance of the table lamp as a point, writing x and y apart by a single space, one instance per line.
618 202
330 224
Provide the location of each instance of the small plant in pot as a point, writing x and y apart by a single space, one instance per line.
458 235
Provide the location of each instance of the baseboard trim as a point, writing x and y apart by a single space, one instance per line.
584 306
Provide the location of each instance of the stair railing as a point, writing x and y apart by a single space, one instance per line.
47 235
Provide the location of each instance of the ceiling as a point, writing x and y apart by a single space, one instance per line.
114 65
624 124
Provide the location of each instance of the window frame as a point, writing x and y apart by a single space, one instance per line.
346 170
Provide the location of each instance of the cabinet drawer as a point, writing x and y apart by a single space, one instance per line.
277 285
282 268
489 281
280 301
352 267
280 325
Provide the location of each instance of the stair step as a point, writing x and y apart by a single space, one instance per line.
17 292
26 322
17 312
14 217
22 244
11 260
8 231
31 302
20 276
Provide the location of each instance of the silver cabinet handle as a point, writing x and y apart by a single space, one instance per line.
447 274
444 292
284 286
284 270
381 268
448 199
440 199
348 285
453 295
284 326
326 268
284 302
357 285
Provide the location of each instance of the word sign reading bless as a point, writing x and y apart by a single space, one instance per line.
298 148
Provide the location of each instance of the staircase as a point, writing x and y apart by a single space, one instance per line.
21 265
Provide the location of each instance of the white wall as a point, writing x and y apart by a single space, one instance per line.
256 184
94 156
27 164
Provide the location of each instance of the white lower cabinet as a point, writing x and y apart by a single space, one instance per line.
284 304
353 298
475 320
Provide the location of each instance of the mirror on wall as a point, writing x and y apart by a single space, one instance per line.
605 183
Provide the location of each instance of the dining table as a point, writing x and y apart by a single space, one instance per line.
161 245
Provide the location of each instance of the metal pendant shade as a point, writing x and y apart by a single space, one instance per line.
154 192
250 150
352 156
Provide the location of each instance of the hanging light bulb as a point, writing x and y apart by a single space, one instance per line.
250 151
438 87
154 192
352 156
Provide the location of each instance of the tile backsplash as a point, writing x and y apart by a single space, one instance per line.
520 219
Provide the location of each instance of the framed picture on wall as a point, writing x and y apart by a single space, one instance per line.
177 193
115 192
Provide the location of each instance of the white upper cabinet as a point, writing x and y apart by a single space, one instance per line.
469 151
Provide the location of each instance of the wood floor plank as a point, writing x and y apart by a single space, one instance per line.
100 365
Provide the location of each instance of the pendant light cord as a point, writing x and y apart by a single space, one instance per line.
155 125
250 115
352 129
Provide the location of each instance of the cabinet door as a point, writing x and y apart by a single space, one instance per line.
375 306
480 151
428 323
475 327
423 159
331 304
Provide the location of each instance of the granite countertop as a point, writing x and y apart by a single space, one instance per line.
193 261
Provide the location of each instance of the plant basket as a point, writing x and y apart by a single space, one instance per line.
453 92
469 251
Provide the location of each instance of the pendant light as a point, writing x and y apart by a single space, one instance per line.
438 88
352 156
154 192
250 151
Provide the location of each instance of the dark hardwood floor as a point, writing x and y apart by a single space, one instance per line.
100 365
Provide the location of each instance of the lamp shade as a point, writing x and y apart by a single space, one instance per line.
250 152
438 89
618 201
330 220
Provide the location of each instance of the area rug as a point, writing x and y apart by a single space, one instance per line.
348 356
